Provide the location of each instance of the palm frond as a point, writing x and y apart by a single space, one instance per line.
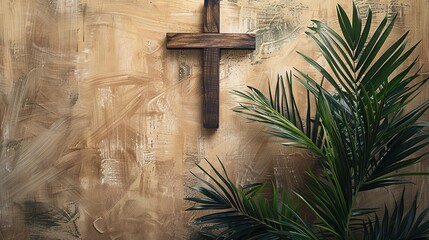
280 112
399 225
242 213
368 142
364 79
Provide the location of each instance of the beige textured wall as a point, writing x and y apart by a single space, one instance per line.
100 124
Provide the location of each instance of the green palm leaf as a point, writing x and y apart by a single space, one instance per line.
279 111
242 213
399 225
372 141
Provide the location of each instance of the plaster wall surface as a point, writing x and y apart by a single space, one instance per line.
101 125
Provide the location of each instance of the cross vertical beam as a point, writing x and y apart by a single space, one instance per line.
211 58
211 16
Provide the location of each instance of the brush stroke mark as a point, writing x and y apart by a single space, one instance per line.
49 222
132 130
38 92
392 8
184 71
274 22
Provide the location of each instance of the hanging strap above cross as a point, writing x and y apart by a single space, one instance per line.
211 41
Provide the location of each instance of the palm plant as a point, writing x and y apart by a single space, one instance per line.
362 134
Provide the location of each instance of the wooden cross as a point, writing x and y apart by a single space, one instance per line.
211 41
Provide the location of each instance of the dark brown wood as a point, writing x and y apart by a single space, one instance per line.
211 57
211 41
211 16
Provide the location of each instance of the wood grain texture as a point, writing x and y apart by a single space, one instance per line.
211 57
211 40
211 17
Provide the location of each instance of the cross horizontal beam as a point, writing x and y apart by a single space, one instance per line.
211 40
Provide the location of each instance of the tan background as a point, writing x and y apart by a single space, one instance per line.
100 124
